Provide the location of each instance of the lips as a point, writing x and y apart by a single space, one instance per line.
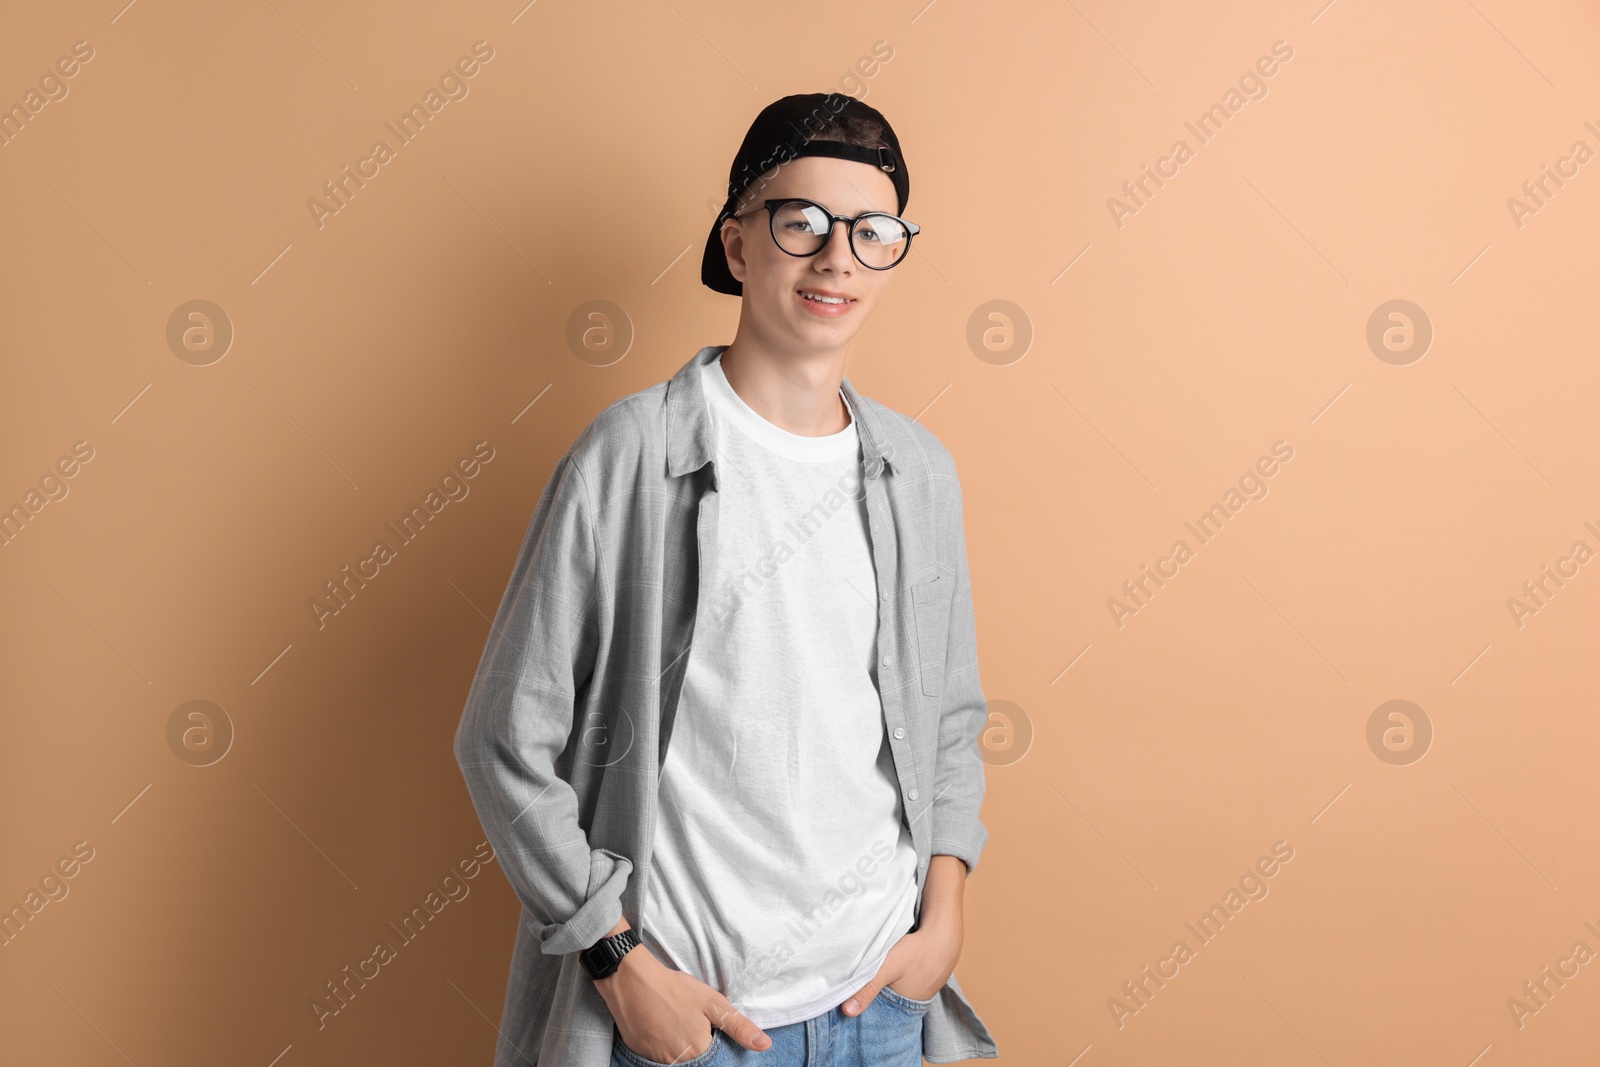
832 297
823 309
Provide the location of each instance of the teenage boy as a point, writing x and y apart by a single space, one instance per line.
769 570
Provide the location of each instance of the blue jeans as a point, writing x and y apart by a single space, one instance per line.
887 1034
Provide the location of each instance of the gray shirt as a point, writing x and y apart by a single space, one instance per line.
571 710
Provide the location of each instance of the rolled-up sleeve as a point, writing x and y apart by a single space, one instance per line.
519 717
963 713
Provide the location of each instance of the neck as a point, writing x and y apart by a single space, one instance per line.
794 389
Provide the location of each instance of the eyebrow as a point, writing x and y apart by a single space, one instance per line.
814 200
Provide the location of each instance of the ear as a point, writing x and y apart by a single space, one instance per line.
733 247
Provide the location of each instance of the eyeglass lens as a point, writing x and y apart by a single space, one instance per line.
802 229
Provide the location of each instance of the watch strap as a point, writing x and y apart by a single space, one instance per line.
603 957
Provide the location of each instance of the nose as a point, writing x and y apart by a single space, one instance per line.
836 253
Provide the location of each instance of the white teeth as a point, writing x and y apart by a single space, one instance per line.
823 299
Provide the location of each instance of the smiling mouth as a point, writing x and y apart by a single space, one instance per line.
825 301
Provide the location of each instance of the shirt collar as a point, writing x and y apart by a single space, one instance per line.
689 444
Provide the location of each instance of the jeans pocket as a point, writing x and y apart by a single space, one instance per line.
631 1057
915 1007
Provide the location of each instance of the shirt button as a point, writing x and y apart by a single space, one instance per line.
912 794
884 597
899 732
888 661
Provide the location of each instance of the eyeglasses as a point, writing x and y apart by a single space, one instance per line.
803 227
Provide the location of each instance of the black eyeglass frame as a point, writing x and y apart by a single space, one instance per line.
771 208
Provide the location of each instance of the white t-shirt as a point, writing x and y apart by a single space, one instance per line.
781 873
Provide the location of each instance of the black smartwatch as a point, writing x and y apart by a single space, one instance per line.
602 958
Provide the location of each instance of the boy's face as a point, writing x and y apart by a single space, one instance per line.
773 279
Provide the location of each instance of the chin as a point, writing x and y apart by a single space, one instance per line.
825 331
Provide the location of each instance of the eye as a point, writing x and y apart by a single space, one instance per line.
880 229
813 215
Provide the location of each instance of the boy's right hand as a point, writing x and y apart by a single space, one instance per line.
666 1015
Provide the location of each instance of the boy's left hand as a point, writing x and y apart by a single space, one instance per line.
918 966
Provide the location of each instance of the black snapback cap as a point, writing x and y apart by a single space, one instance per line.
782 132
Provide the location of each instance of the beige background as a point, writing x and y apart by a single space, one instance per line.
586 163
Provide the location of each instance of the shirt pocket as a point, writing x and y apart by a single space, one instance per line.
931 593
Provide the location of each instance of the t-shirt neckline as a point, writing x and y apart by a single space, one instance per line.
721 396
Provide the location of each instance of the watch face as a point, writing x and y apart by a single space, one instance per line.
602 958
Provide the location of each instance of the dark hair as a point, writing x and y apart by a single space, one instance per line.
848 129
